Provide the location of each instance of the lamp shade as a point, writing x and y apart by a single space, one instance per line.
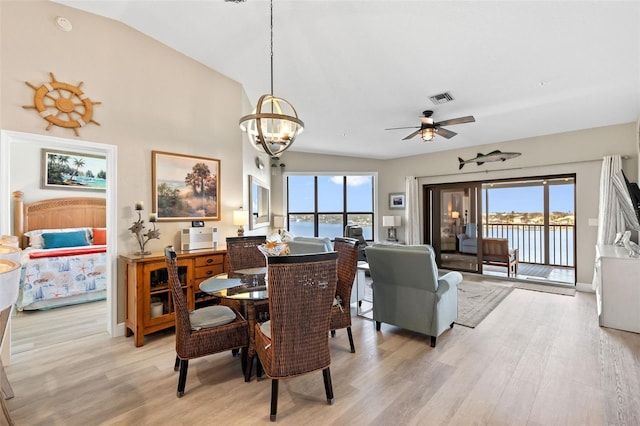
10 253
278 221
388 221
9 240
9 283
240 217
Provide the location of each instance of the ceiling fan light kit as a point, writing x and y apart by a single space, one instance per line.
274 124
428 129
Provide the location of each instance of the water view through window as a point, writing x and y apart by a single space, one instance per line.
537 217
321 206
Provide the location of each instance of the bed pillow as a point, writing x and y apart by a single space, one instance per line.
35 236
99 236
65 239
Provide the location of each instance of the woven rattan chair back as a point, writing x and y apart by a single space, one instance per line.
243 253
183 324
347 249
301 291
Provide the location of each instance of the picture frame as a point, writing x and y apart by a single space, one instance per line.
185 187
73 171
397 200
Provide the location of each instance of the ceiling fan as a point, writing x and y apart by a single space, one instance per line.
428 129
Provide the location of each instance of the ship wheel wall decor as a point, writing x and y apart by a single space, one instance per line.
62 104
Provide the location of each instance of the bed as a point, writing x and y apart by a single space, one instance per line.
64 259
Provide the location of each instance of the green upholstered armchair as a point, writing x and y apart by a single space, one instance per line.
407 291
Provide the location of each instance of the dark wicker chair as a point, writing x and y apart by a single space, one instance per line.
301 291
201 337
347 249
243 253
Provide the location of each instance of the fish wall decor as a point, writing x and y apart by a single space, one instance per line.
497 155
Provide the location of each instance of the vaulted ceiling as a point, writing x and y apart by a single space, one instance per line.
354 68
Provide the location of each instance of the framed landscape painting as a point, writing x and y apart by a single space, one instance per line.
73 170
396 200
185 187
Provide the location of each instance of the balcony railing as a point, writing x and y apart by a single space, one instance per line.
529 239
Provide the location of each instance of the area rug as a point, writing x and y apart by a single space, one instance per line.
476 299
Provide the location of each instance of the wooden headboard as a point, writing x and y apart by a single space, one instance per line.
72 212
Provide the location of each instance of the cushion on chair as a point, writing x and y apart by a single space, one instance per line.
211 316
265 328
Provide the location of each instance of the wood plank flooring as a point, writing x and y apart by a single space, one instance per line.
537 359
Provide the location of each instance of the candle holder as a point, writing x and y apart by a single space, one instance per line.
138 230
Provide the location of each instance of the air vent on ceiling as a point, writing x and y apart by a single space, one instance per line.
441 98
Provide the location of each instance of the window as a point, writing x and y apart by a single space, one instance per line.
322 205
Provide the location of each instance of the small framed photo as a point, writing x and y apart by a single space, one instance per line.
396 200
197 223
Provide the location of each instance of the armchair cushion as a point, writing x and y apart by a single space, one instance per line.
211 316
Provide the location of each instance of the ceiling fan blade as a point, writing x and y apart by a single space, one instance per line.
396 128
459 120
411 135
445 133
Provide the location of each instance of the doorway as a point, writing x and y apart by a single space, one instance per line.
452 225
13 142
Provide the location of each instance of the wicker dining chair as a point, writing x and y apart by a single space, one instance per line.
295 340
243 253
204 331
347 249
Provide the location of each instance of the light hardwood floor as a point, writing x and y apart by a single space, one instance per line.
537 359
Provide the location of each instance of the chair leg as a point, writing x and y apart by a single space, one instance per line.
243 358
182 380
234 352
353 348
328 388
378 325
333 333
176 366
433 341
249 369
274 399
258 369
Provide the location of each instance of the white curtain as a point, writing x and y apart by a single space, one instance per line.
610 215
412 212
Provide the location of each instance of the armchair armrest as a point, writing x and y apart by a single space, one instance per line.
448 281
462 237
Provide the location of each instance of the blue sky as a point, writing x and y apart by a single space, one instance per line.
530 199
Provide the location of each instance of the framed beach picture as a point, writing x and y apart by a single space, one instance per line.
185 187
396 200
73 170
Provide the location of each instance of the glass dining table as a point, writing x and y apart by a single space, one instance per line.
246 291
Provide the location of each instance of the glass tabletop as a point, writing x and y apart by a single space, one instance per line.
243 284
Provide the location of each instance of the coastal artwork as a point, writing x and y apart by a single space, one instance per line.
73 170
185 187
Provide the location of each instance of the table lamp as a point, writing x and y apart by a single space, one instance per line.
240 219
278 223
391 222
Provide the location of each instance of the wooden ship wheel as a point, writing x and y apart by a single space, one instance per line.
62 104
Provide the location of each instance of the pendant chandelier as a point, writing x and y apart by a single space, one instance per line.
274 124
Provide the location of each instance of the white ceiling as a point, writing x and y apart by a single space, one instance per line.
354 68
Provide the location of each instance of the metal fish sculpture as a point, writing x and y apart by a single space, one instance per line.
486 158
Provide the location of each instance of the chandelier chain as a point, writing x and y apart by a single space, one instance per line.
271 34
